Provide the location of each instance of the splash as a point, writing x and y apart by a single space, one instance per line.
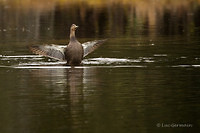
37 61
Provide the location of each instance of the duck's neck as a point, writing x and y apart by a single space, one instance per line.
72 35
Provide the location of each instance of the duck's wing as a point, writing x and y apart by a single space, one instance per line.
90 46
52 51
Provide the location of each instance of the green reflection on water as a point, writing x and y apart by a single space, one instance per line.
97 99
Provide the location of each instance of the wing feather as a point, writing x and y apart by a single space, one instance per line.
90 46
52 51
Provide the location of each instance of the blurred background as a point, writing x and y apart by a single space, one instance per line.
42 19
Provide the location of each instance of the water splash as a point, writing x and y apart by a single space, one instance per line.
37 61
108 61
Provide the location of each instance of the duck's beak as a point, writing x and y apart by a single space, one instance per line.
76 26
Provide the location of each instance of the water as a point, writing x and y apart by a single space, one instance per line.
145 78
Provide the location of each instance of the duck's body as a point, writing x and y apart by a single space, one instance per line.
73 53
74 50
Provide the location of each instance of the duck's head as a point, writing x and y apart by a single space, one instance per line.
74 27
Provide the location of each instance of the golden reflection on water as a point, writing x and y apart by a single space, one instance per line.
108 18
141 5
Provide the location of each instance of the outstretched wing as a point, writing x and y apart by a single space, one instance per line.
91 46
52 51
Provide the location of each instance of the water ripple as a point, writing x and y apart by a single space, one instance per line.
37 61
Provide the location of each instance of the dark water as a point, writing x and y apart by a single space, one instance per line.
145 78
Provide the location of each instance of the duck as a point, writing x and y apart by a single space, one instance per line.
73 53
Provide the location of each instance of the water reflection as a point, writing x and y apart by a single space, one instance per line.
117 19
68 92
97 98
76 96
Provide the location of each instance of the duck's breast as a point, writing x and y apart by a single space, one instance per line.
74 54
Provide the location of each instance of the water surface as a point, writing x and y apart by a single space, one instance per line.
147 74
